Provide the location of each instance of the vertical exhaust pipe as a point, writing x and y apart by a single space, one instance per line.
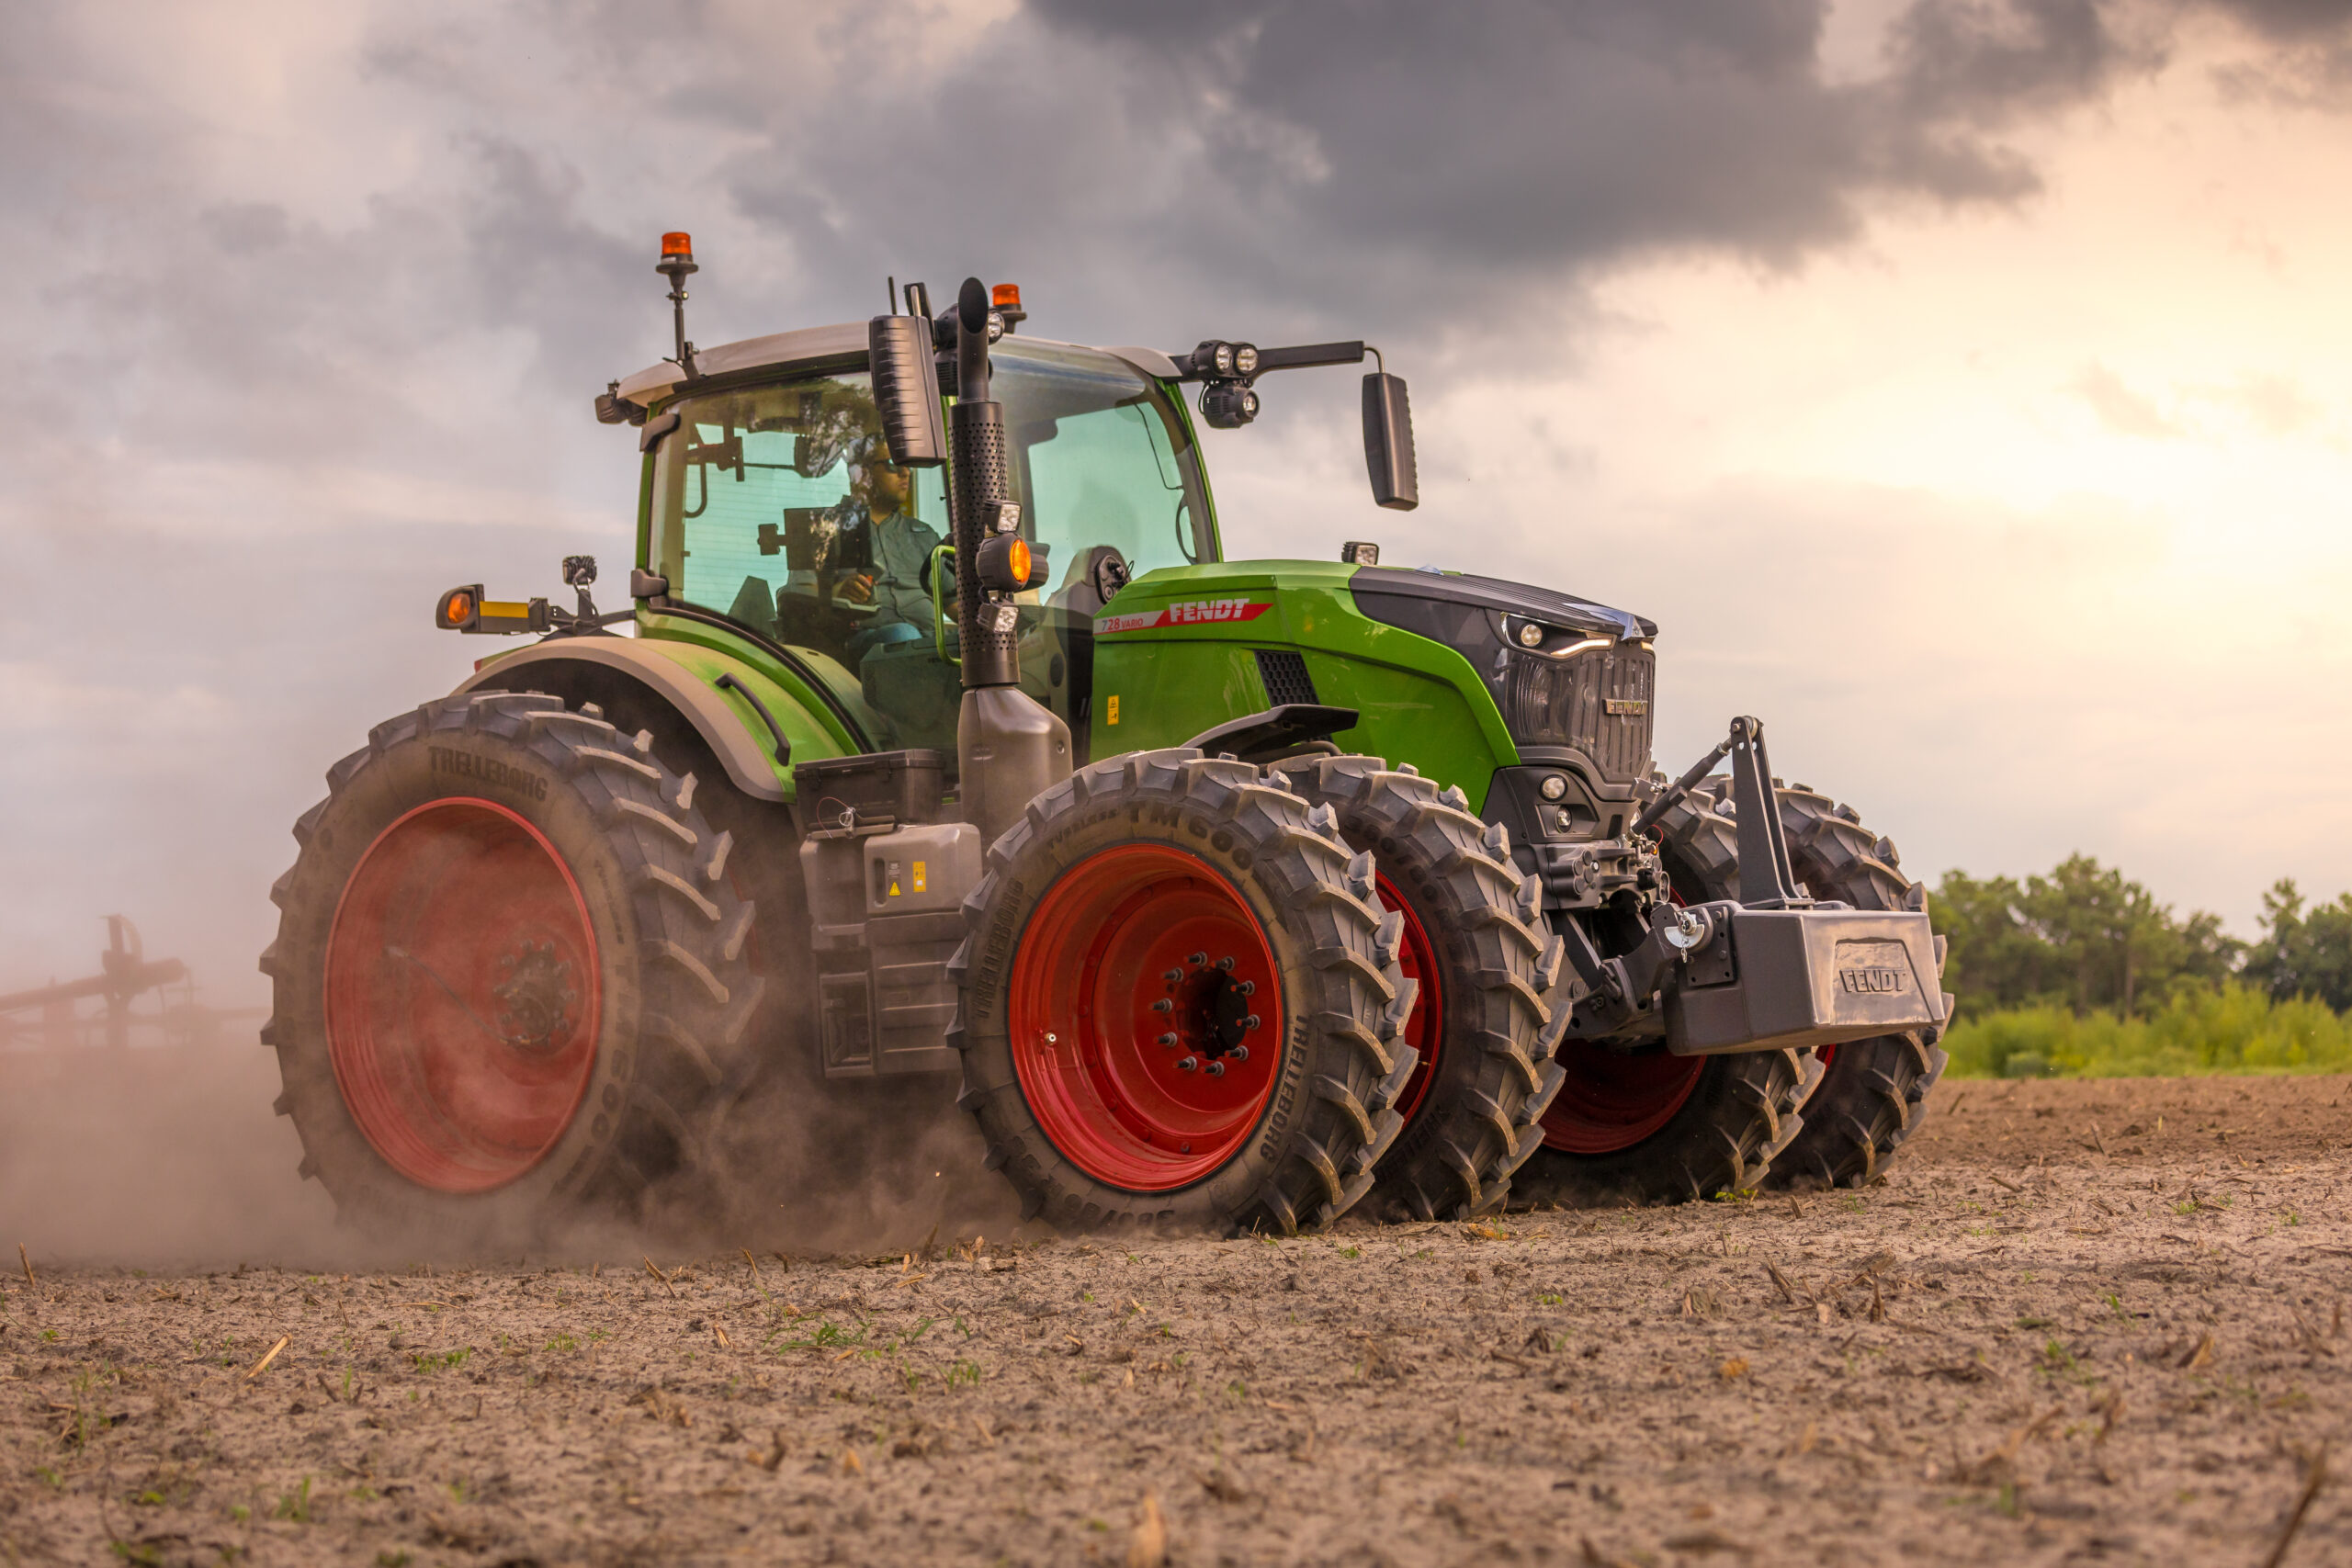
1009 747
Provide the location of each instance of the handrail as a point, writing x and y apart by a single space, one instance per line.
942 572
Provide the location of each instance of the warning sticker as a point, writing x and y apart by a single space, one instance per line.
1193 612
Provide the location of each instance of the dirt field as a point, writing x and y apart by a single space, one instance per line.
2098 1322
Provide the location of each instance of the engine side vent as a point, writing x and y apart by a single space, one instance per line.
1598 703
1284 677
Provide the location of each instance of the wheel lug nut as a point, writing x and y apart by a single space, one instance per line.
1239 1053
1225 964
1172 975
1189 1064
1163 1005
1248 987
1249 1022
1217 1069
1168 1040
1198 958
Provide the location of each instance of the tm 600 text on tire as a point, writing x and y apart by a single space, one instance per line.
1652 1127
509 971
1485 961
1180 1006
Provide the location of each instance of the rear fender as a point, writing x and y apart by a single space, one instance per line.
686 677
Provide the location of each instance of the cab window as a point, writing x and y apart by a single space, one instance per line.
781 507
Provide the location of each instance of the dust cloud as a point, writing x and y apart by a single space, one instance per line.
858 1167
172 1158
155 1156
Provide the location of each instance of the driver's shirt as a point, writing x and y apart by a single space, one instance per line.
902 542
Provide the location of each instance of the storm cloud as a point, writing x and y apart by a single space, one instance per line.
307 304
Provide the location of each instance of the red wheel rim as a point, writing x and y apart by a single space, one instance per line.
462 996
1099 952
1609 1102
1425 1029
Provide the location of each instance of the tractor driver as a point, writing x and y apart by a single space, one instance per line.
880 502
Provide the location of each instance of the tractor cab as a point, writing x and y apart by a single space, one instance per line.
772 499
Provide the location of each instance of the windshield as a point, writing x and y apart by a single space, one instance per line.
1100 464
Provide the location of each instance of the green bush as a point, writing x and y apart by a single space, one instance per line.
2231 1027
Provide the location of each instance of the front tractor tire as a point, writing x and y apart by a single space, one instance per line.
1873 1092
509 976
1485 1022
1652 1127
1181 1007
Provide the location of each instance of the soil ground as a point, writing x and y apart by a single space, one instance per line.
2080 1322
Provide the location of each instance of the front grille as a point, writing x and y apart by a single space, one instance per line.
1565 702
1284 677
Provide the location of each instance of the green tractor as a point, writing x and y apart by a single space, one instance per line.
950 755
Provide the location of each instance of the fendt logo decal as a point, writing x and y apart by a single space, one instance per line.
1872 968
1194 613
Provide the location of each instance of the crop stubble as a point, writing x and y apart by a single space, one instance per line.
2020 1348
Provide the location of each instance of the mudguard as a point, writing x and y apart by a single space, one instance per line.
688 677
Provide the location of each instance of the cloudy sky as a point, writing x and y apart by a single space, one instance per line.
1965 385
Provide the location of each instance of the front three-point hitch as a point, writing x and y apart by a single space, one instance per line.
1772 969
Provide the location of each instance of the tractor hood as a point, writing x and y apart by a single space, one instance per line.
1571 678
1442 667
1437 598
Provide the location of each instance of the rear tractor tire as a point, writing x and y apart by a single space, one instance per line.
1181 1007
1485 961
1652 1127
509 976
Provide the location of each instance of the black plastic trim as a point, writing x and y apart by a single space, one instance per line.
782 655
1276 729
1493 594
727 681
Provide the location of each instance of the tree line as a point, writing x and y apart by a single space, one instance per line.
2085 938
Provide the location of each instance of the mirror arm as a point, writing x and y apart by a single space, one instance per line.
1305 356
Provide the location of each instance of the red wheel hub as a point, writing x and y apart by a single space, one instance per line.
1147 1017
462 996
1425 1029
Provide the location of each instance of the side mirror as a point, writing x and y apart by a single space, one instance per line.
906 390
1388 443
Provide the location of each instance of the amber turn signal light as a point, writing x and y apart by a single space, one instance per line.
1006 563
459 610
465 610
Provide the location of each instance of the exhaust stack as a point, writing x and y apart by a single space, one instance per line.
1009 747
